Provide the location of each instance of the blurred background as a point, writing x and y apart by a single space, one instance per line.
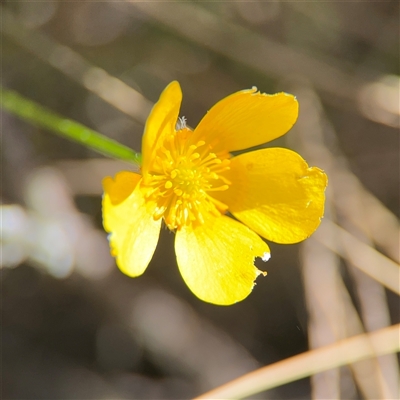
73 326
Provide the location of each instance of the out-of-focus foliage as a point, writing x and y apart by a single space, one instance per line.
72 325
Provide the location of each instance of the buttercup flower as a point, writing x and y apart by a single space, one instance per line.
190 180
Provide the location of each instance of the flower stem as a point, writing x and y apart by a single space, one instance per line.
43 117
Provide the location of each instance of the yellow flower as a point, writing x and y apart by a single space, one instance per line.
190 180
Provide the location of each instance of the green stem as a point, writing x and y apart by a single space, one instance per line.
41 116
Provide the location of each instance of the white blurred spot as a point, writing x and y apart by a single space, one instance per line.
51 247
48 194
380 100
53 234
13 221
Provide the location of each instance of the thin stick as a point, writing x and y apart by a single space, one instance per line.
362 256
344 352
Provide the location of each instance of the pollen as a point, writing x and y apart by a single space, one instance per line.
182 176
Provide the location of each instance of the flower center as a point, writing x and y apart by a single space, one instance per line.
181 178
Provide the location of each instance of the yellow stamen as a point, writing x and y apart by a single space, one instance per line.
182 176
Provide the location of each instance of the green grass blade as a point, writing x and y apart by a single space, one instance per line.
43 117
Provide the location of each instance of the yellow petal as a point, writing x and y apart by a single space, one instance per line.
119 188
161 121
133 231
216 259
276 194
246 119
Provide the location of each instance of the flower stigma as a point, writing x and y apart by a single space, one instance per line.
182 176
181 123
